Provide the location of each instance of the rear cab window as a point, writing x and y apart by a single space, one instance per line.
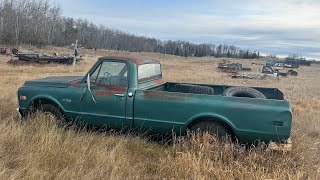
149 72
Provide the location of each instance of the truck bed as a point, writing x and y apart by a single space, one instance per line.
249 118
270 93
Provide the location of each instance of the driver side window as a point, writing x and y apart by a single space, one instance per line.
110 73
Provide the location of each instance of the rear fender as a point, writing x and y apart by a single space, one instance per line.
216 117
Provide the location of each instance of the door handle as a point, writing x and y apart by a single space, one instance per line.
119 95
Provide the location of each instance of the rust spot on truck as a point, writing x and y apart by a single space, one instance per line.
166 96
111 88
74 83
136 61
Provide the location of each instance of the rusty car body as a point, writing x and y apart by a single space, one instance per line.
122 92
38 58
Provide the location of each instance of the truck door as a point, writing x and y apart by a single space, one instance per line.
106 103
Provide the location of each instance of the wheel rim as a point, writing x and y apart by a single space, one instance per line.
49 115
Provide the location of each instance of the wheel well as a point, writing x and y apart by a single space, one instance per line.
35 104
218 120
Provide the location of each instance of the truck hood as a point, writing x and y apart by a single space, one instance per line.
53 81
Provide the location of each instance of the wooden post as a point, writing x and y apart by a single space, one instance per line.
1 24
75 54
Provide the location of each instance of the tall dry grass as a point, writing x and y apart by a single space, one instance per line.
37 149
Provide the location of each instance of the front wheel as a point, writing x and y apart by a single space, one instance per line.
52 113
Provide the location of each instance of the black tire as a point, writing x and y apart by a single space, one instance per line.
211 127
235 67
69 61
195 89
246 69
14 51
268 70
283 74
53 110
243 92
293 73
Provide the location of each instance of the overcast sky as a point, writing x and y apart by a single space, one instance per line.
270 26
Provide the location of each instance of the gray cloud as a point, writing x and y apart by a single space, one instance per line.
280 27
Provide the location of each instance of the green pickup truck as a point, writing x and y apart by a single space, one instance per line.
122 92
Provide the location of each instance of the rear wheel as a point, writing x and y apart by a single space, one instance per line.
212 128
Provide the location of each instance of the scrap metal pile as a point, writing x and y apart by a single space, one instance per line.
289 62
3 51
266 71
6 51
24 58
273 69
232 67
37 58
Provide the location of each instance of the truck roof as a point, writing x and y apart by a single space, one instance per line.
132 59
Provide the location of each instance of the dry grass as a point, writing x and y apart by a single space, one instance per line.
37 149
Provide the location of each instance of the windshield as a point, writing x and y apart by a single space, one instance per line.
147 72
110 73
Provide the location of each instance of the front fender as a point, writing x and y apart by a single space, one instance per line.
45 97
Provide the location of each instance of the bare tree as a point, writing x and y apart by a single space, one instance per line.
40 23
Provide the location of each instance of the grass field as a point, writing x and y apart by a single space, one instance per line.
37 149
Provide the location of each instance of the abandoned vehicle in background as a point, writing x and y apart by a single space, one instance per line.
232 67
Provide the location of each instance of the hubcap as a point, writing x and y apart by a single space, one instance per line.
49 115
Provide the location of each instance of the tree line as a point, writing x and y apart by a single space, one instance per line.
40 23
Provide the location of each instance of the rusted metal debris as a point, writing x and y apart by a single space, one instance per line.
254 76
265 71
271 70
3 51
23 58
6 51
17 62
232 67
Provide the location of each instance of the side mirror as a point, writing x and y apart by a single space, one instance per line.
89 89
88 81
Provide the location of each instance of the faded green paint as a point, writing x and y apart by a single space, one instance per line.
157 107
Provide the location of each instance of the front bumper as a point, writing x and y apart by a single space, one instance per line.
281 146
19 113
